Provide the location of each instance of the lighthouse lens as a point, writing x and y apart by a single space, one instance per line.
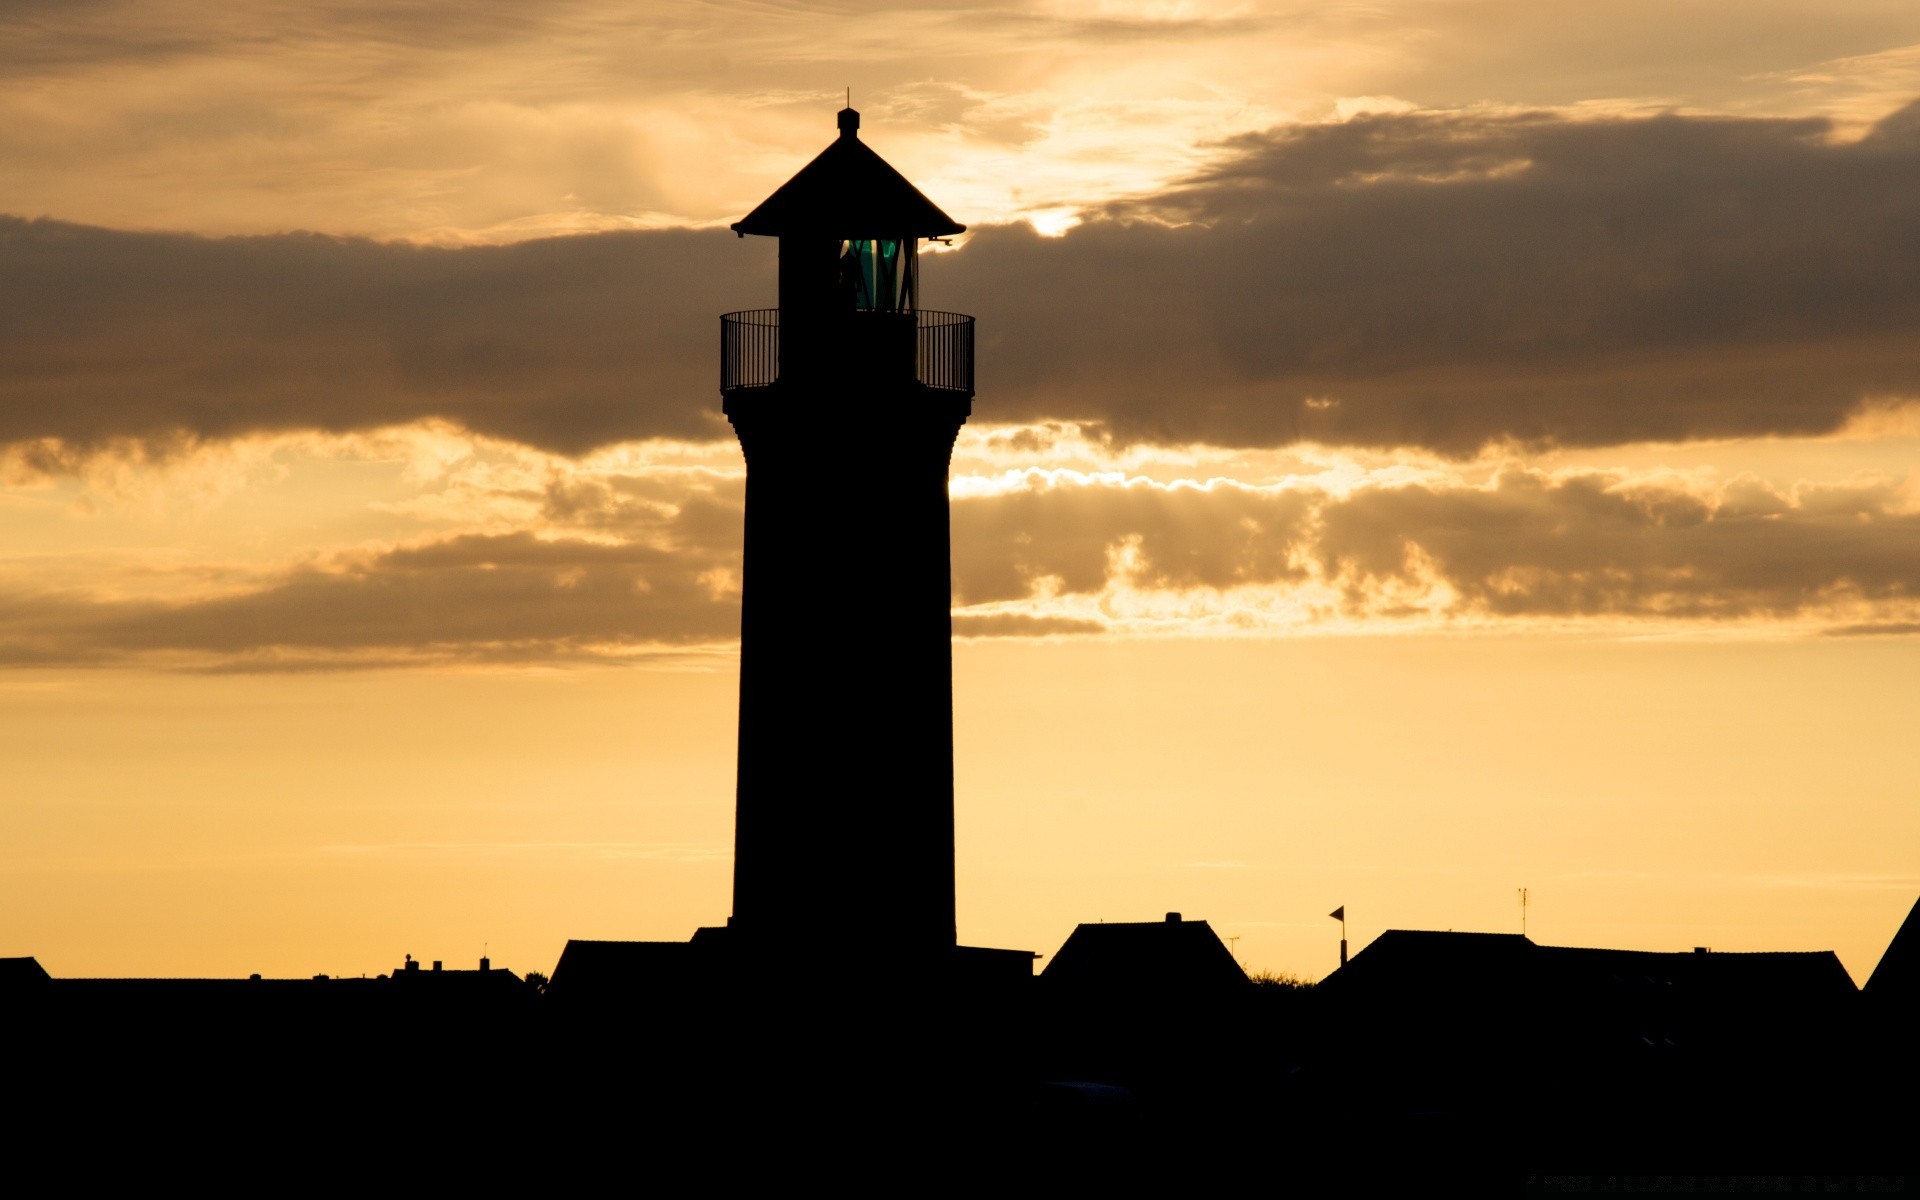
878 274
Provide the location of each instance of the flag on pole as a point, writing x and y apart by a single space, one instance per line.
1339 914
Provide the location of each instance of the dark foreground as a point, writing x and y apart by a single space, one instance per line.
354 1082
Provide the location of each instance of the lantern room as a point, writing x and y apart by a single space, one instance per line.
849 228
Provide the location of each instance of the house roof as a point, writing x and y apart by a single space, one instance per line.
591 967
1898 972
19 973
848 192
1480 963
1134 956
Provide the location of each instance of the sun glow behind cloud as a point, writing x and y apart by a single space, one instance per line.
426 544
445 123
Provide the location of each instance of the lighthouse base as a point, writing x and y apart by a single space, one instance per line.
718 963
840 1023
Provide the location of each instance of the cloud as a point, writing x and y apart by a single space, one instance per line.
1439 280
1449 280
1005 624
1877 629
493 121
52 37
1062 533
1594 545
510 598
565 344
652 851
641 564
1608 548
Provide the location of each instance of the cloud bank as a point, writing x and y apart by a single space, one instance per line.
566 343
625 566
1451 280
1445 281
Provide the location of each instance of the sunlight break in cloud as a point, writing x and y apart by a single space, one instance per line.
469 551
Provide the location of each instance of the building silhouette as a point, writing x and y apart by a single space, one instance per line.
1175 961
1894 985
846 398
1485 995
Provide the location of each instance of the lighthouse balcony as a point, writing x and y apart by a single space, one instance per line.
931 349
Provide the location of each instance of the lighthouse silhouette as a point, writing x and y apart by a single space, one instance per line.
846 398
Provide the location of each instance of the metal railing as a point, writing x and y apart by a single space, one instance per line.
750 349
944 357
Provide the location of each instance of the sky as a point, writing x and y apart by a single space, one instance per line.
1423 449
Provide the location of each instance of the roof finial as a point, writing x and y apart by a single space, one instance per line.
849 120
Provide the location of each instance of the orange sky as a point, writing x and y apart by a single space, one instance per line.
1424 449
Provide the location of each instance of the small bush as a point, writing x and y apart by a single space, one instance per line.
1280 981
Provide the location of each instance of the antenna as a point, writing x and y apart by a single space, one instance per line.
1523 912
1233 947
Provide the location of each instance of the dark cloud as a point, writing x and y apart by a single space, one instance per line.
1529 544
1452 280
565 343
507 598
1436 280
1595 546
1068 536
1020 625
1877 629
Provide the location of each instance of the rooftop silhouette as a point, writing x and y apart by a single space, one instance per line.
1896 978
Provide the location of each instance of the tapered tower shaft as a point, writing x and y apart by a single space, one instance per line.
845 792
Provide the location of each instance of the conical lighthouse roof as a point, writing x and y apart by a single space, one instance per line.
848 192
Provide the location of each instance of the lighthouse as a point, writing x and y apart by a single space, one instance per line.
846 399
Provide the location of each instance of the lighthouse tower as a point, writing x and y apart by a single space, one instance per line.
846 400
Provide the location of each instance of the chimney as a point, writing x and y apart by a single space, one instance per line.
436 964
486 964
1173 918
